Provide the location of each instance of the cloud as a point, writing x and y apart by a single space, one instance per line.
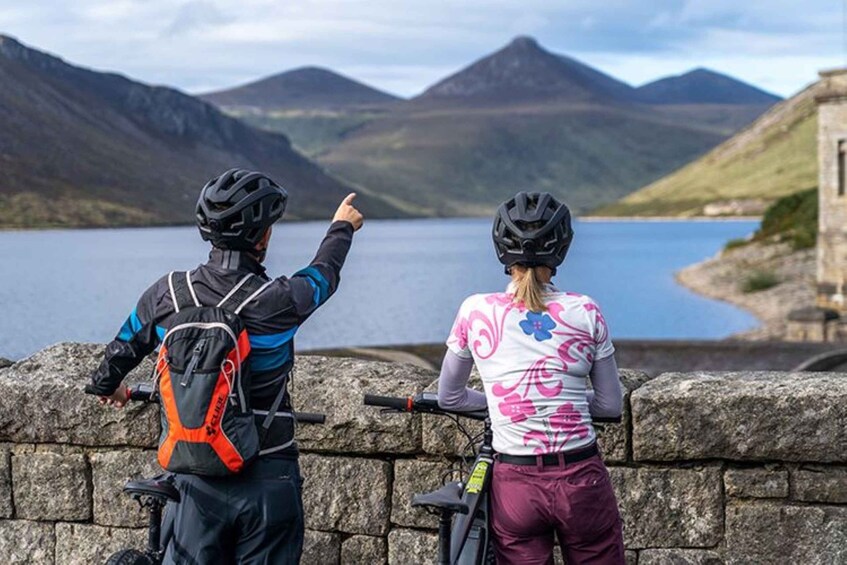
195 15
404 45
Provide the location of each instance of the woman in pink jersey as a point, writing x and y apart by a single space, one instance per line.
536 348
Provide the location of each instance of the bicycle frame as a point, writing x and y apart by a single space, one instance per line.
471 534
467 541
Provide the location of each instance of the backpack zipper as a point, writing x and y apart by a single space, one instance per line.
192 364
210 325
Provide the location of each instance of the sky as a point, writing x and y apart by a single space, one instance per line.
403 46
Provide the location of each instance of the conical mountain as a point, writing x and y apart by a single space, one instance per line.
304 88
80 147
524 71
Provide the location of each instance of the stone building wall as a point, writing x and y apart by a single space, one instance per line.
832 238
709 468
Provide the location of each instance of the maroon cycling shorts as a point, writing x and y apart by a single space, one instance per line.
529 503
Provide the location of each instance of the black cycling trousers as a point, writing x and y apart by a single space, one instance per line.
255 517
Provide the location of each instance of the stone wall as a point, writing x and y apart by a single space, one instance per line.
709 468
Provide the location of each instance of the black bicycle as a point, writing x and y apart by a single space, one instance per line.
153 494
464 534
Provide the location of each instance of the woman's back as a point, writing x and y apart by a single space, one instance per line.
534 367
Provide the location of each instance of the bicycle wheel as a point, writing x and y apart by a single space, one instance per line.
130 557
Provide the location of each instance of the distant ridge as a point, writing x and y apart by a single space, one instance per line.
304 88
771 158
81 148
523 70
703 86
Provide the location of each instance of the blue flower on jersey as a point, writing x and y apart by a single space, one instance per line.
538 325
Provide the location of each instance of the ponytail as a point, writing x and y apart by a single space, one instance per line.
529 289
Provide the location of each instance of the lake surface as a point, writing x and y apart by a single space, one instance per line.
403 281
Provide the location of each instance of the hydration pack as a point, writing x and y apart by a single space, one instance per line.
203 381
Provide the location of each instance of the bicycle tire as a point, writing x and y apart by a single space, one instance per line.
130 557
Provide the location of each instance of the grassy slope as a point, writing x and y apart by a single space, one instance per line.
773 157
464 161
312 133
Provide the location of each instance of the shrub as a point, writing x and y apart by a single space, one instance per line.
736 243
758 281
794 218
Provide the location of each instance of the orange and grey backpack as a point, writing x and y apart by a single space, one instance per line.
203 381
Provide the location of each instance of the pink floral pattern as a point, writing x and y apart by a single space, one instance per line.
579 332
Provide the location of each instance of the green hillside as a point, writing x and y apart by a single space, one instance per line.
773 157
462 161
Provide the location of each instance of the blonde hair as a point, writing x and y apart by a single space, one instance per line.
529 289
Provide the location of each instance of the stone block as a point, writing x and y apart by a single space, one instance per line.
27 543
746 416
679 557
51 486
321 548
760 482
59 373
346 494
667 507
6 508
821 484
369 550
110 470
773 532
412 547
86 544
336 387
412 477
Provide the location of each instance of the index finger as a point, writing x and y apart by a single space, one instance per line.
349 198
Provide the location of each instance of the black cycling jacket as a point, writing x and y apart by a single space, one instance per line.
271 320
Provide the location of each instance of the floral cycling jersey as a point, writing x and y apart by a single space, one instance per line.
534 366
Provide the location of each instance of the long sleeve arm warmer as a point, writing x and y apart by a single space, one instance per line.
453 393
606 400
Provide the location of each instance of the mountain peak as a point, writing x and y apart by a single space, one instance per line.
524 71
524 42
703 86
302 88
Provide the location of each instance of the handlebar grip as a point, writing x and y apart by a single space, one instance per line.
141 392
394 402
309 418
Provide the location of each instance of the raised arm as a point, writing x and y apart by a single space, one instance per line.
312 286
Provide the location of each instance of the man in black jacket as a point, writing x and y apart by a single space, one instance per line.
257 515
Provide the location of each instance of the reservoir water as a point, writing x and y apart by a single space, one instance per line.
403 281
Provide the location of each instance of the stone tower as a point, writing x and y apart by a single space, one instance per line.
828 320
832 191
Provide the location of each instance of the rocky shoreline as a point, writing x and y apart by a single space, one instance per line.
723 277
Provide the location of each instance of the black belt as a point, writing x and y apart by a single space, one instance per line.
550 459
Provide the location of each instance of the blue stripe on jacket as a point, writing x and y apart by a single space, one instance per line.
131 326
318 282
271 351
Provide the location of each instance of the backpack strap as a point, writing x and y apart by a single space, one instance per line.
244 291
182 291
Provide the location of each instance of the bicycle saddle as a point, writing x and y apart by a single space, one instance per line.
158 487
448 497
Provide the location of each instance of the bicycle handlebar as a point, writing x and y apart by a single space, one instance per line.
145 392
425 402
428 402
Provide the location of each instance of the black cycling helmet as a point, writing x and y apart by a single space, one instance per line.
532 229
236 208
